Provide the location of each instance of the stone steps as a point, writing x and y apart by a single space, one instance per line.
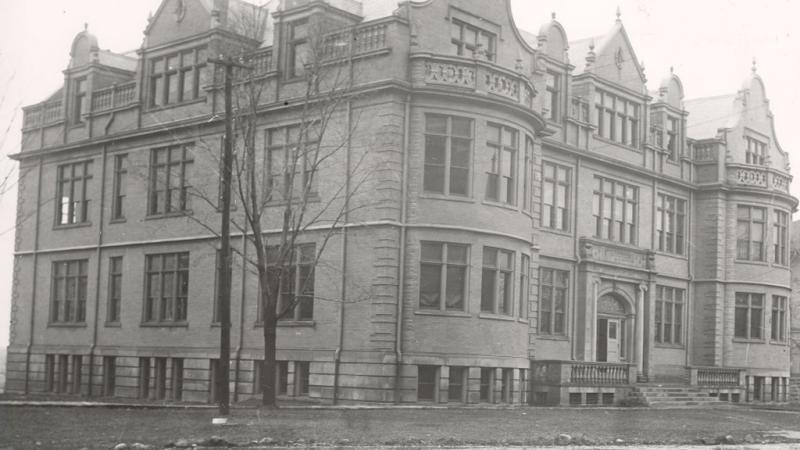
672 396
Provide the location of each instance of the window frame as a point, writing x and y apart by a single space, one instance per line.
500 306
553 90
77 202
115 277
607 226
160 77
747 304
549 219
119 188
447 166
499 150
76 274
278 182
445 265
166 310
293 44
780 237
155 186
749 223
463 45
304 290
755 151
669 320
79 98
612 109
670 224
778 318
547 326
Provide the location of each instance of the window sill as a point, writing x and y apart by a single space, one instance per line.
451 197
113 325
553 337
67 226
508 206
748 341
66 325
668 346
491 316
438 312
80 124
155 108
118 220
287 324
313 197
671 255
618 144
164 324
169 215
523 321
781 343
566 233
750 261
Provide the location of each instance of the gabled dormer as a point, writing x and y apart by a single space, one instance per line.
552 46
668 119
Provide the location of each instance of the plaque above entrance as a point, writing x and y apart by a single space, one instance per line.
613 254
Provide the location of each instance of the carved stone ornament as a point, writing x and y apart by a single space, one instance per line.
451 74
180 10
619 58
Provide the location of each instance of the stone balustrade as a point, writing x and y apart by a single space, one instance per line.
716 376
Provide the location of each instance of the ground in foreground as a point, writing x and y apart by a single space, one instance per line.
101 427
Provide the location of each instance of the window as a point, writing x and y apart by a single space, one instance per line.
69 291
177 378
443 276
617 119
500 180
299 51
144 377
302 374
456 391
497 283
120 187
748 315
780 237
294 282
506 383
79 98
50 383
166 288
169 180
281 377
750 225
778 318
673 138
669 315
426 383
177 77
552 98
72 198
756 152
77 371
109 375
614 209
472 41
292 155
486 393
160 378
670 223
523 284
553 291
448 149
114 288
528 175
555 196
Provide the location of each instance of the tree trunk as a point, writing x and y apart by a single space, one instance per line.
268 381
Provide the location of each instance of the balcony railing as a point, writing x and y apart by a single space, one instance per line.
755 176
716 376
44 113
359 40
115 96
593 374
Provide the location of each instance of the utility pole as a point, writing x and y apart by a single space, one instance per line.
224 293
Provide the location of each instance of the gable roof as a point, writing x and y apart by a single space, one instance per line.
578 50
709 114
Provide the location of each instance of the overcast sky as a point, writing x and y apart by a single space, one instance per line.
710 44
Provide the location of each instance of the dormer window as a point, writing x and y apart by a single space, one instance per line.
472 41
617 119
756 152
80 95
552 96
177 77
673 138
298 48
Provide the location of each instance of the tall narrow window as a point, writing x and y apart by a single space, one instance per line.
78 99
169 180
500 179
176 380
497 281
749 315
114 288
109 375
780 237
448 150
70 280
614 207
294 281
528 175
555 196
756 152
72 196
669 315
673 138
553 294
120 187
617 119
166 288
552 96
670 223
291 158
471 41
443 276
144 377
299 51
524 273
456 391
750 227
778 318
427 377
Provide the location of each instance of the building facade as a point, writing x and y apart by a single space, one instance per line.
536 225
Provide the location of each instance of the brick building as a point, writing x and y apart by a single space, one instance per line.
538 226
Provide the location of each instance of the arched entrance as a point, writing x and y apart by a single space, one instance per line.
613 332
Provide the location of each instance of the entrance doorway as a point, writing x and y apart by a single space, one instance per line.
609 340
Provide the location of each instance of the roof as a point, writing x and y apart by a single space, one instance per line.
530 38
578 50
118 60
709 114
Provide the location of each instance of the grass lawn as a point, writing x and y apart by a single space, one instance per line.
102 428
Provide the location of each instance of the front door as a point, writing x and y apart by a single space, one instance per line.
609 339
